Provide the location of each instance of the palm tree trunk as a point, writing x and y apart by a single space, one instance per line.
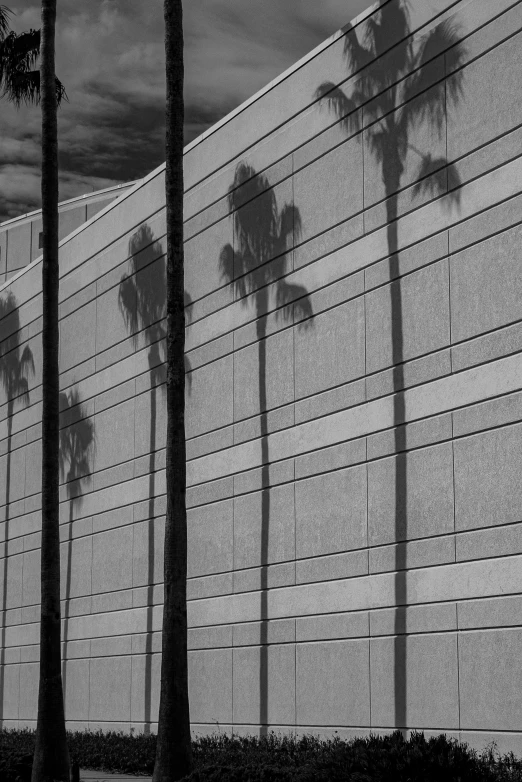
51 758
174 752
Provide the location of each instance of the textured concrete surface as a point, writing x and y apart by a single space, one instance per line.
354 523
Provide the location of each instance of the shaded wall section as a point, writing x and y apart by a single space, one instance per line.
354 405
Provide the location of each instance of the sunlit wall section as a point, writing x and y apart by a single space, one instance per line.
354 377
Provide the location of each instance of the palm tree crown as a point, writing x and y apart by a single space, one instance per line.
19 80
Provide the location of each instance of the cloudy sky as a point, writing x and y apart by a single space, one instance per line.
110 57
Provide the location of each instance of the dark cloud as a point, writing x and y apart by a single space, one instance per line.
110 56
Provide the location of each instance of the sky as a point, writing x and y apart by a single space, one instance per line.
110 58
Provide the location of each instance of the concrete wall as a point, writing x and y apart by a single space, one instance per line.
354 408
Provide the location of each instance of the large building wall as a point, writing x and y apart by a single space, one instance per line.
354 407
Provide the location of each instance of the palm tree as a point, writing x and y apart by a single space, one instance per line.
51 756
174 751
77 442
257 261
15 366
19 81
393 107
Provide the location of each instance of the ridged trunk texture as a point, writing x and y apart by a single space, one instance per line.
51 758
174 753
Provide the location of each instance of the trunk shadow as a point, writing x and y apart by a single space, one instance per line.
16 366
399 95
256 266
77 447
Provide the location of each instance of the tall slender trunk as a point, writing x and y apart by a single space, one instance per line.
10 410
51 758
174 751
392 184
261 302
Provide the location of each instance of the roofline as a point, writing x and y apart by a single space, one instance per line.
73 200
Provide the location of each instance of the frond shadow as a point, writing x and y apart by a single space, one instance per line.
396 83
257 266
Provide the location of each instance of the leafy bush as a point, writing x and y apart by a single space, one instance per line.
273 758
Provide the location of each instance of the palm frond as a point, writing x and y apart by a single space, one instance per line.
21 87
5 12
18 56
60 92
344 108
19 80
20 51
25 88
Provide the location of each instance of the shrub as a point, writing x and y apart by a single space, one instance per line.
273 758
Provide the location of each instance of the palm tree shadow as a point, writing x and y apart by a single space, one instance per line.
77 444
263 234
16 365
142 299
397 93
